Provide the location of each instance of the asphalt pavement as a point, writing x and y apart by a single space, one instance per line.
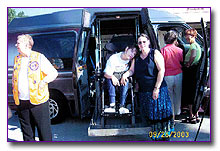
77 130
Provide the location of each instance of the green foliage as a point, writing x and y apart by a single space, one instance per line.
12 14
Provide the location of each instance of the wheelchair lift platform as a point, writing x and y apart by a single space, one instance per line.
116 126
92 131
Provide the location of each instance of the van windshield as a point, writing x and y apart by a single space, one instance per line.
58 48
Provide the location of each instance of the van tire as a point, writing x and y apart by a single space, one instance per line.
57 107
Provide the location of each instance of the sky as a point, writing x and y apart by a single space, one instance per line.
39 11
190 16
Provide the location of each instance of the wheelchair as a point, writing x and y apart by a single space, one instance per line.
109 120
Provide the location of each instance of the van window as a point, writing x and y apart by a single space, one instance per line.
58 48
81 45
12 50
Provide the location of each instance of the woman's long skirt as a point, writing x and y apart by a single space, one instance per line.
158 113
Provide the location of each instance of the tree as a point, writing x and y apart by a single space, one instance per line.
21 14
12 14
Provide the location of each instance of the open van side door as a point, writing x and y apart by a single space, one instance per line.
203 74
148 28
80 73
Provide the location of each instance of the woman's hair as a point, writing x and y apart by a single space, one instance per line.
144 35
192 32
28 38
170 37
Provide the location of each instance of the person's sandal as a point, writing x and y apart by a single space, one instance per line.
186 120
193 120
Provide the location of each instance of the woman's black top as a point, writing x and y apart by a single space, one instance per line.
146 72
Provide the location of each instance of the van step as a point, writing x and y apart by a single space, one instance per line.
118 131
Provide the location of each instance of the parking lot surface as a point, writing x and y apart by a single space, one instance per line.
77 130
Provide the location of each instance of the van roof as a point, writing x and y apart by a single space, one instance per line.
156 14
72 18
62 19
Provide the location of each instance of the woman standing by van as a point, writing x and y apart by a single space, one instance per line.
173 56
190 79
153 93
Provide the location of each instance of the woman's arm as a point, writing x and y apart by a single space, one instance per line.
48 69
159 60
192 58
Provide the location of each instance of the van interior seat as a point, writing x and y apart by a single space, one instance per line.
118 44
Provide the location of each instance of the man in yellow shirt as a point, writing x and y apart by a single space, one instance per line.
31 75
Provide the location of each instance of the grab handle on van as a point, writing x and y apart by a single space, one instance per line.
93 65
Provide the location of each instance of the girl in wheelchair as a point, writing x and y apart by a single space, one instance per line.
116 66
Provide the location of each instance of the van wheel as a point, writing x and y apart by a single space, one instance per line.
57 108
